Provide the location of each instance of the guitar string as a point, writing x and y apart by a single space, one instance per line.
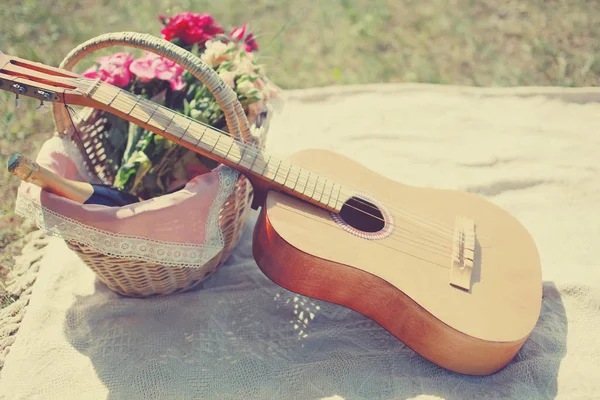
443 246
378 242
399 237
395 237
249 149
362 211
448 231
444 232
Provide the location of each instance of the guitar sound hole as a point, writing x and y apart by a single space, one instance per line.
362 215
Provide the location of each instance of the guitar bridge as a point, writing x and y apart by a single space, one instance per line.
463 253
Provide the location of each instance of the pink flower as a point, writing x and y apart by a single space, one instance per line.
153 66
112 69
239 33
191 28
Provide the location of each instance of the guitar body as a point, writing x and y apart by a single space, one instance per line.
399 275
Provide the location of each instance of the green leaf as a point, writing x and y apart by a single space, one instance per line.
160 145
225 65
134 134
144 141
233 49
197 115
142 166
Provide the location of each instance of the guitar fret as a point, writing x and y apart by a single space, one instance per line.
323 191
150 117
330 194
315 188
267 166
176 129
287 175
124 105
141 112
306 184
105 92
216 142
172 118
297 179
139 98
201 136
254 160
248 155
162 119
276 171
230 147
185 131
113 99
242 154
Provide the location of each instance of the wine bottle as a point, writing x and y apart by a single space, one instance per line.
81 192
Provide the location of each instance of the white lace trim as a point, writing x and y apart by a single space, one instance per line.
136 247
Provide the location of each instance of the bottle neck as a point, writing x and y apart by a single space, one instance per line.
30 171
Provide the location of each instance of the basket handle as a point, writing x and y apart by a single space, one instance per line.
237 122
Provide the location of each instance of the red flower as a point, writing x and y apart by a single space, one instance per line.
239 32
191 28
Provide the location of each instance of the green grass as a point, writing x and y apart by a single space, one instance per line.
317 43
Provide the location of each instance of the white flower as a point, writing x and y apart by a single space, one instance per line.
245 67
216 52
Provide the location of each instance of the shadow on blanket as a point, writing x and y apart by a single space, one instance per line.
240 336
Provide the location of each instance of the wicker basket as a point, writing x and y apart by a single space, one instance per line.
132 277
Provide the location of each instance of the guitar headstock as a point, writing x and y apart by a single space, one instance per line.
41 82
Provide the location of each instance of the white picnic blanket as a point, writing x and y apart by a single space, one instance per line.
533 151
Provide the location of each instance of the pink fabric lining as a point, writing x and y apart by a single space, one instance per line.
178 217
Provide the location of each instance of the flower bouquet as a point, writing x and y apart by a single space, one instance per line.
149 165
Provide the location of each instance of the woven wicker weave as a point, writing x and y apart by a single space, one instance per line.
131 277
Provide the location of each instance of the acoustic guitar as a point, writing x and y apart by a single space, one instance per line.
448 273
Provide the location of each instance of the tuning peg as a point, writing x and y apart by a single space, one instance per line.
21 89
42 108
47 96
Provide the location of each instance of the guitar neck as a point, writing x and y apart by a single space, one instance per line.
266 172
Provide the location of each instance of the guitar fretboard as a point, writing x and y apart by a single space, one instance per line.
221 147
